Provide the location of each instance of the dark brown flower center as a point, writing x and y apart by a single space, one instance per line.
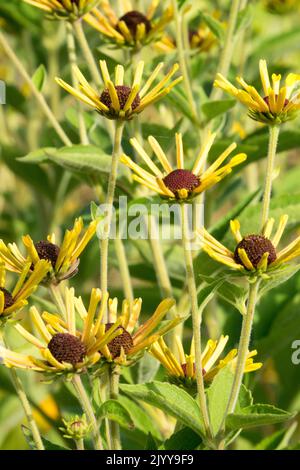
123 93
47 250
181 179
67 348
8 298
255 246
124 340
132 19
267 100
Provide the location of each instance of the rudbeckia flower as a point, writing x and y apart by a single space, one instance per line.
69 10
28 281
201 39
181 367
275 106
117 100
63 348
64 259
133 340
133 29
179 183
254 253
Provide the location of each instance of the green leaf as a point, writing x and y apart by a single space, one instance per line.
47 444
151 443
214 25
140 417
271 442
212 109
278 277
218 395
257 415
171 399
39 77
37 156
185 439
244 19
115 411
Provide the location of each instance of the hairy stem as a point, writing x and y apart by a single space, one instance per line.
273 141
124 269
114 393
87 408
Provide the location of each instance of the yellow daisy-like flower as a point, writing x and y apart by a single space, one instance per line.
64 259
28 281
117 100
62 348
200 40
277 105
181 368
69 10
133 29
180 183
254 253
133 339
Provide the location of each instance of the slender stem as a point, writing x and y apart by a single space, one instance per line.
79 444
87 408
39 97
182 59
18 386
124 269
243 348
104 243
114 393
87 53
73 62
273 141
196 315
227 52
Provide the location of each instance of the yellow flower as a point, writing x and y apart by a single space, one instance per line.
62 348
28 281
64 260
133 339
69 10
181 368
117 100
277 105
180 183
133 29
254 253
200 40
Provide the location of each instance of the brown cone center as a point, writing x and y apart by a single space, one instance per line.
123 93
255 246
181 179
48 251
8 298
132 19
67 348
124 340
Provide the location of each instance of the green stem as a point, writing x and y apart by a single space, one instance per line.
87 53
243 348
114 394
273 141
124 269
73 62
227 52
182 59
18 386
104 243
79 444
196 316
87 408
39 97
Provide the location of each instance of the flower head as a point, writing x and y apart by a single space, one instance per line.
201 39
179 183
277 105
133 340
133 29
255 253
12 301
181 368
64 259
62 347
69 10
117 100
76 427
